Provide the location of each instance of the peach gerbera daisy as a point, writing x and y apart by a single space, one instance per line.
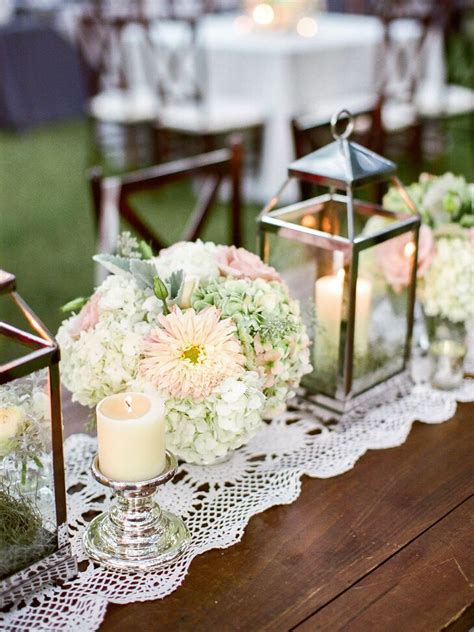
191 353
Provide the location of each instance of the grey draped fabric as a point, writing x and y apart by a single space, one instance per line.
40 76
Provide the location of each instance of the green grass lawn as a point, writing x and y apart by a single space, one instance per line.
46 229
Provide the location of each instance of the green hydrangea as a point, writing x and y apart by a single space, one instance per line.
270 329
439 199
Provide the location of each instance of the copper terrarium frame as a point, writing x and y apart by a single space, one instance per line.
43 353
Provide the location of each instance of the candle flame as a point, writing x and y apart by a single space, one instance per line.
409 249
128 403
308 221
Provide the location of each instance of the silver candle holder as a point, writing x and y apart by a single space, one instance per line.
135 534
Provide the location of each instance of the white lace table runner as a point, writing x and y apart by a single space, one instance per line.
218 501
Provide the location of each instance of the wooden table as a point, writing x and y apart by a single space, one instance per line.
386 546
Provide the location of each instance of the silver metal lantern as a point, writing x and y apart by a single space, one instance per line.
34 546
352 265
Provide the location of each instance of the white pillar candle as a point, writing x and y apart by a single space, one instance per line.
328 300
131 436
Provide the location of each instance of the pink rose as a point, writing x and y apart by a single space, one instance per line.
88 317
394 257
240 263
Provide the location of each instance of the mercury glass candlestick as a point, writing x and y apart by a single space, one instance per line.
136 534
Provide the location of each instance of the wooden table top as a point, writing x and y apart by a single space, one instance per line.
386 546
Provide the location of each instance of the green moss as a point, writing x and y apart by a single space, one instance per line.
23 540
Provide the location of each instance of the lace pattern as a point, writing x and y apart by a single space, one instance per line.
218 501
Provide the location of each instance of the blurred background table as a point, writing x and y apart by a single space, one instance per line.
287 74
386 546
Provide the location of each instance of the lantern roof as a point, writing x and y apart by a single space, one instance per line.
342 163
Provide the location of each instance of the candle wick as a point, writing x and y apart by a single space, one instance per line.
128 404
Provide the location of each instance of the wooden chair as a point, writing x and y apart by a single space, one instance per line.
399 72
122 107
211 168
188 113
388 119
455 97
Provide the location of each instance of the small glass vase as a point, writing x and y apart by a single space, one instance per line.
447 351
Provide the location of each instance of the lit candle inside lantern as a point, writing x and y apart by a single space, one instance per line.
329 301
409 250
131 436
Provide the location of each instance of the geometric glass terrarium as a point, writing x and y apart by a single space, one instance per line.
34 546
351 264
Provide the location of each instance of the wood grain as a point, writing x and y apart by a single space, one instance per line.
293 560
426 586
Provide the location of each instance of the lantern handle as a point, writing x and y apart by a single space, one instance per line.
338 116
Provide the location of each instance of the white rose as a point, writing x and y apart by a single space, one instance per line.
10 421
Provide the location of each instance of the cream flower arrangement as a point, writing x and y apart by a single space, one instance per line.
211 328
25 422
446 247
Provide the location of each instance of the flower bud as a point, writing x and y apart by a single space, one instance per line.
160 289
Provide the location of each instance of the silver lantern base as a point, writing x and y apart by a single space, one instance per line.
388 390
136 534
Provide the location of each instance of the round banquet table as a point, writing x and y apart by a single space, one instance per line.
385 546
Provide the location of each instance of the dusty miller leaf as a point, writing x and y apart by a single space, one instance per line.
114 263
175 282
144 272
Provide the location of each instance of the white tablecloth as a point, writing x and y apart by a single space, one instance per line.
282 73
287 74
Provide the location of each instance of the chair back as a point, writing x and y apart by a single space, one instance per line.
406 25
101 36
210 169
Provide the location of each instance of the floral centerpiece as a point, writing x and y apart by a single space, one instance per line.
210 328
445 268
446 248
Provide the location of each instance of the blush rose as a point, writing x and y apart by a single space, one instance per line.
395 262
241 263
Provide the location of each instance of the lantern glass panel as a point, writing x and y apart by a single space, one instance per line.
26 475
330 275
352 265
34 546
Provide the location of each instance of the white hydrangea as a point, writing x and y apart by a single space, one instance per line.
447 289
101 349
203 432
196 259
102 360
